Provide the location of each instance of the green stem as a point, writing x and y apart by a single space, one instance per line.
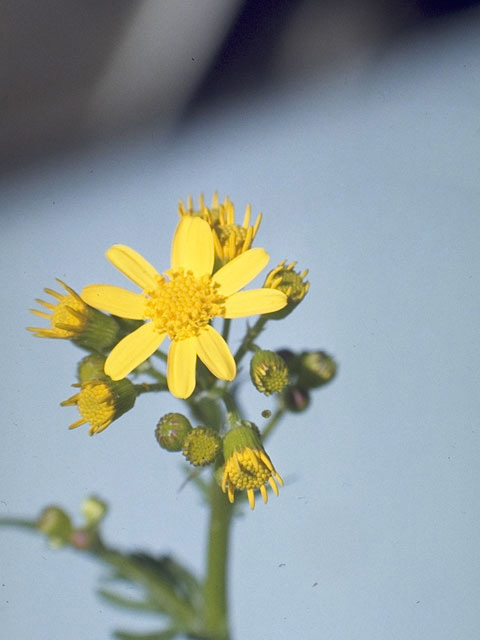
216 618
145 387
226 328
251 335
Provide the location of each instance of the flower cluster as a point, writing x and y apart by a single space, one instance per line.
211 262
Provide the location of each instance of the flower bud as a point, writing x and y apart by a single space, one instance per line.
268 372
316 368
247 465
100 402
201 447
71 318
296 399
56 524
291 283
171 431
91 368
94 511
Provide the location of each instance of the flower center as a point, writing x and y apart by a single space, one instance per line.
96 404
183 305
247 471
64 314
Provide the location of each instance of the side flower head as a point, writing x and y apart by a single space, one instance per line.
100 402
247 465
180 304
230 239
293 284
70 318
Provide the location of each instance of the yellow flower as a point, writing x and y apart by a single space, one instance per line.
230 239
100 402
247 465
181 305
68 316
71 318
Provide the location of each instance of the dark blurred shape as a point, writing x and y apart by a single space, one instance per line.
276 41
51 53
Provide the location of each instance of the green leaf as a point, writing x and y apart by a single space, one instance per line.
171 588
128 603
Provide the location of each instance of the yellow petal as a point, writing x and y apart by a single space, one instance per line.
133 265
192 247
116 300
254 302
241 270
215 354
132 351
182 359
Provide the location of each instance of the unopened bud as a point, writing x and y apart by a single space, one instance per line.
56 524
171 431
316 369
94 511
268 372
91 368
296 399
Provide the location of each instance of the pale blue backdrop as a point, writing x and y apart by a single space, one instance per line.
370 181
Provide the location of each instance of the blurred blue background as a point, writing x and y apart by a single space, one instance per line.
366 168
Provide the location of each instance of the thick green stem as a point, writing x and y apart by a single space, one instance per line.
216 618
145 387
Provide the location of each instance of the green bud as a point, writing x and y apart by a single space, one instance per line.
268 372
202 446
94 511
316 368
56 524
171 431
296 399
91 368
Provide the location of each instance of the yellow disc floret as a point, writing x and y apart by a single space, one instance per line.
183 305
101 402
96 405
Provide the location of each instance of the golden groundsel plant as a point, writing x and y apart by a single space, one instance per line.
191 304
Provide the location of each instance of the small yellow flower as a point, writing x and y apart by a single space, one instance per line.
202 445
68 315
230 239
247 466
292 283
181 304
70 318
100 402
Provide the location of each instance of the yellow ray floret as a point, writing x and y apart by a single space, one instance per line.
230 239
180 304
